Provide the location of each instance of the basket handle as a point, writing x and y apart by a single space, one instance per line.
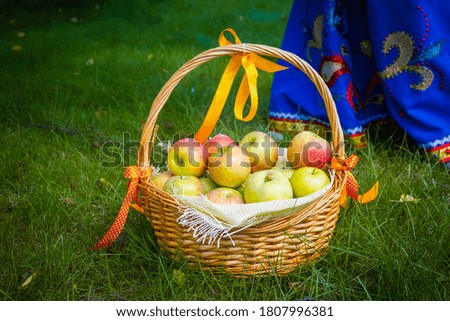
148 132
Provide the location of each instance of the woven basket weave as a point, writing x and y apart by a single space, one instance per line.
274 247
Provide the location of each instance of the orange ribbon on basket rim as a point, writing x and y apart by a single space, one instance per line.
351 186
248 86
134 173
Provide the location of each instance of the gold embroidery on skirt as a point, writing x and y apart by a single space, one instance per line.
405 45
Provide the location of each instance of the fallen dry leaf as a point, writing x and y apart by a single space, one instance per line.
178 277
16 48
28 280
407 198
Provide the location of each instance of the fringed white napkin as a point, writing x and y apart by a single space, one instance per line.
211 221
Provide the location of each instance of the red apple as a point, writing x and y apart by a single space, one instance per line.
308 149
185 158
226 196
215 143
261 148
229 166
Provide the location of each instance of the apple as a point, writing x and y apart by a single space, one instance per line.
261 148
308 149
282 161
226 196
216 142
207 184
229 166
307 180
241 189
161 178
288 172
185 158
267 185
183 185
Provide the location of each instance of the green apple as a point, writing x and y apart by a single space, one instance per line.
288 172
161 178
308 149
241 189
261 148
207 184
307 180
229 166
185 158
183 185
267 185
282 161
226 196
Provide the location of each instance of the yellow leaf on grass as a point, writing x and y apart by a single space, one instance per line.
28 280
178 277
407 198
16 48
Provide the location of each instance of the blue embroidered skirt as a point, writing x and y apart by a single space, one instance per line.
381 59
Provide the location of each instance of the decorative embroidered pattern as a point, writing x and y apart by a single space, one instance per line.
332 19
441 153
297 117
316 42
359 140
413 59
295 126
332 67
437 143
405 45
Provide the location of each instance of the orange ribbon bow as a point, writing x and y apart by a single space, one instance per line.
134 173
351 188
248 87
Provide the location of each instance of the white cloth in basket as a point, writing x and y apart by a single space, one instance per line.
211 221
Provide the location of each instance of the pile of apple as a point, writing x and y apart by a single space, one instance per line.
250 171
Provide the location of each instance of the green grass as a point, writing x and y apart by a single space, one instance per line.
75 86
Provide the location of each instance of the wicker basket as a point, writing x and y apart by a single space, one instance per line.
274 247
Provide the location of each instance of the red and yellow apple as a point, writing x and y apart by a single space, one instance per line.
225 196
229 166
213 144
261 148
308 149
185 158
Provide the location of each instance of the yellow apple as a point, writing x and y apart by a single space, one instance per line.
267 185
307 180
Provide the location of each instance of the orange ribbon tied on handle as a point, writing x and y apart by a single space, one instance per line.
351 188
134 173
248 87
